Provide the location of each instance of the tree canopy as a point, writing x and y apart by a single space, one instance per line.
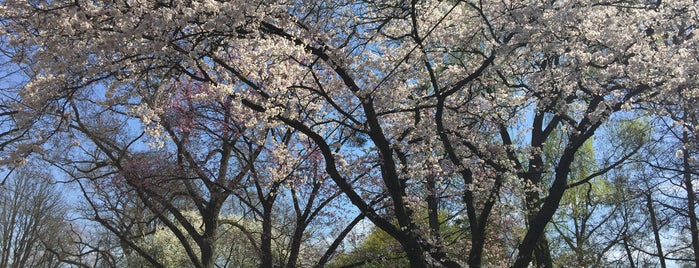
472 133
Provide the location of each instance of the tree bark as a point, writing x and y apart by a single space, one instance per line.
542 253
296 240
266 256
691 197
207 243
413 251
656 230
433 209
629 256
476 254
538 223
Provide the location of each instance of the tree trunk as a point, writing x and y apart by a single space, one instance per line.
414 253
542 253
266 256
207 243
296 240
628 250
691 198
207 253
656 230
537 225
476 254
433 210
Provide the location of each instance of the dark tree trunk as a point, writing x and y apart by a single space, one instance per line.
433 209
414 253
627 248
266 256
691 197
296 240
433 218
537 225
207 253
542 253
207 243
477 243
656 230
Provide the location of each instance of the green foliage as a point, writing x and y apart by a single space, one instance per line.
585 209
377 250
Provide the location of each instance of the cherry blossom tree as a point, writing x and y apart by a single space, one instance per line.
215 170
413 106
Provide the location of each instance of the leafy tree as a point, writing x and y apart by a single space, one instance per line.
586 226
377 249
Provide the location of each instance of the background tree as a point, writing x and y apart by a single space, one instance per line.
33 220
670 171
377 249
214 161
